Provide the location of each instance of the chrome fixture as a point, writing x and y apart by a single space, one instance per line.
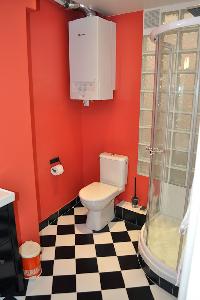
70 4
153 150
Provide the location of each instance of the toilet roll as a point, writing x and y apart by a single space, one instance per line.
57 170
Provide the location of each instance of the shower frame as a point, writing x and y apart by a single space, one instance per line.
157 266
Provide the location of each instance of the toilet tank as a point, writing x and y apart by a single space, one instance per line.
113 169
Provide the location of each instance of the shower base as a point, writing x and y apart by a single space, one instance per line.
164 239
160 257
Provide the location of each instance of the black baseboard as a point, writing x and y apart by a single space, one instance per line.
52 219
130 216
164 284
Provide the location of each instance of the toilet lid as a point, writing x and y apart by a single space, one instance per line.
98 191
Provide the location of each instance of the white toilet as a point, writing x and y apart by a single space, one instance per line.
98 197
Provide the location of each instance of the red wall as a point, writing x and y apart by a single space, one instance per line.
57 118
39 121
17 171
113 126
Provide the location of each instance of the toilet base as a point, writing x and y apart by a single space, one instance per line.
96 220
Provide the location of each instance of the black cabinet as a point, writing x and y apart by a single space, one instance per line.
11 274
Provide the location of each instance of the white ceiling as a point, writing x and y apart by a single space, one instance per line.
116 7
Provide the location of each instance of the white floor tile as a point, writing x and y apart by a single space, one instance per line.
134 278
64 267
160 294
134 235
80 210
82 229
102 238
85 251
108 264
49 230
117 226
115 294
48 253
124 248
40 286
68 296
66 220
65 240
88 282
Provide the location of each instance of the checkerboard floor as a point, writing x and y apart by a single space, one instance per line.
80 264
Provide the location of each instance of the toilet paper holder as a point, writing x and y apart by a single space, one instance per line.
55 160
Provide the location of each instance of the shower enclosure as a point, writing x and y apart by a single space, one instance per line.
176 112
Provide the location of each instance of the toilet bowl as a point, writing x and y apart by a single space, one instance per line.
98 197
99 200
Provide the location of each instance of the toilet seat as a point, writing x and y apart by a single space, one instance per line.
98 191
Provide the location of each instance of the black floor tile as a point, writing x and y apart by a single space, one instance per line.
65 229
116 219
47 240
135 244
131 226
64 284
80 219
65 252
89 296
111 280
140 293
86 265
119 212
105 250
120 236
47 267
130 216
128 262
83 239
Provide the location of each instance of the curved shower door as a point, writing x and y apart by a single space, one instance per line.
162 236
176 115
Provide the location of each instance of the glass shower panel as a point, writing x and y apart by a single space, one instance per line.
182 122
185 83
158 150
162 226
189 39
187 61
184 102
176 116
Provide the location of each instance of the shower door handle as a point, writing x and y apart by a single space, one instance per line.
154 150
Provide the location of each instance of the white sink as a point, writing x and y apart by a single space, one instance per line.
6 197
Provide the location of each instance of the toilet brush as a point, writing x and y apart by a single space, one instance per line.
135 199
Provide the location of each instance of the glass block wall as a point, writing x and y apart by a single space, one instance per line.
186 47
